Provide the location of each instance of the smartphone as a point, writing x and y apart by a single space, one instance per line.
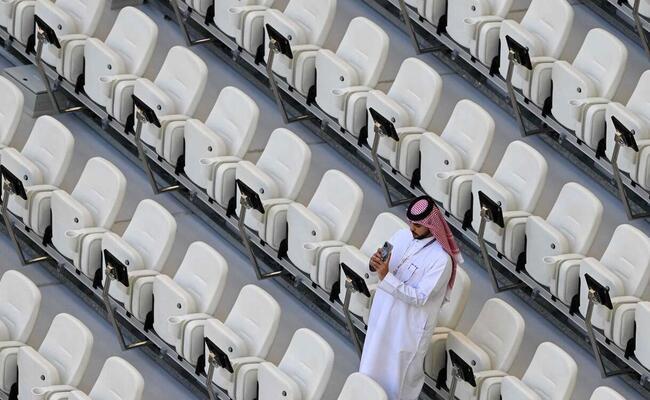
385 250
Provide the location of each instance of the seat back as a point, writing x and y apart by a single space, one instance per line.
365 47
499 330
50 146
337 202
552 372
359 386
639 102
133 36
255 317
602 58
417 88
642 320
551 21
470 137
151 232
203 274
522 171
286 159
101 189
183 76
314 17
20 300
606 393
67 346
11 104
577 214
118 380
86 13
308 361
452 310
234 119
628 257
385 225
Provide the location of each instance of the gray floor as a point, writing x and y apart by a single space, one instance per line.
295 314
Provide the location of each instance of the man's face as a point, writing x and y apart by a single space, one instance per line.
419 231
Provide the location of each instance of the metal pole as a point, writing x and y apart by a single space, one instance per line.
622 194
243 200
454 383
349 289
639 27
380 173
412 35
209 384
515 104
182 23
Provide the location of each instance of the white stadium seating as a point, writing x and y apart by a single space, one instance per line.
241 20
605 393
359 386
11 103
431 10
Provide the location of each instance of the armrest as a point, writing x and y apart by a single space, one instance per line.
177 323
473 24
44 392
539 85
514 388
237 14
276 383
109 82
314 249
210 164
481 376
78 395
9 344
64 39
166 119
302 48
341 95
76 236
580 106
443 179
514 237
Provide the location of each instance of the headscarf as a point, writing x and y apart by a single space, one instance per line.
424 211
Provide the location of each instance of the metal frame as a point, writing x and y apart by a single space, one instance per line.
626 18
455 375
212 364
182 21
349 289
622 193
413 35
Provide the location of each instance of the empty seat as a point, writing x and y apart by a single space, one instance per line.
117 380
143 247
468 22
490 346
358 259
516 185
644 8
90 208
606 393
246 335
642 319
41 165
112 66
61 359
565 236
11 103
303 372
431 10
409 105
450 160
20 301
241 20
223 138
318 232
359 386
551 374
17 17
344 78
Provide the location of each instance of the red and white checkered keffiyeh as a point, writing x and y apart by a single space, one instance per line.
424 211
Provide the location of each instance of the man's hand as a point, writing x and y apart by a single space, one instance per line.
380 266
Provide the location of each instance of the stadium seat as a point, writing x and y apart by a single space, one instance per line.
591 79
490 346
117 380
41 165
642 319
606 393
223 138
317 233
11 103
143 247
450 160
91 207
112 66
516 185
409 105
241 20
562 239
246 335
359 386
277 177
71 20
20 301
17 17
469 21
302 374
344 78
61 359
431 10
636 117
551 374
358 259
644 8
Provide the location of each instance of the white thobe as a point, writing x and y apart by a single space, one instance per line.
404 314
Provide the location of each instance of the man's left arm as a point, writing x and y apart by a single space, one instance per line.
419 293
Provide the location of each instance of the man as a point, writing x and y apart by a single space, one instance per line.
414 280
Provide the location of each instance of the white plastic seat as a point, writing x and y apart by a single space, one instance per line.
41 165
302 374
242 20
20 301
174 96
246 335
17 17
11 104
555 244
409 104
592 79
61 359
90 208
319 231
551 374
143 247
358 259
450 160
431 10
344 78
112 66
490 346
468 22
359 386
71 20
642 319
516 184
223 138
644 8
606 393
117 380
277 177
